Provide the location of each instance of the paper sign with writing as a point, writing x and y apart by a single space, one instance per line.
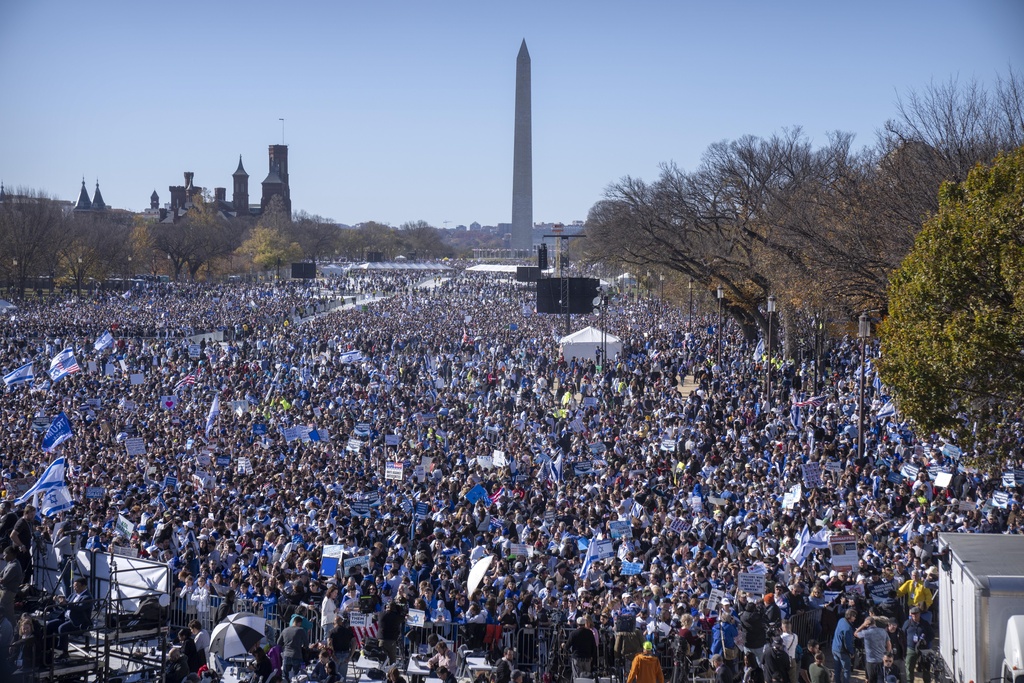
360 561
135 445
812 474
750 582
631 568
95 492
619 528
391 439
844 552
393 471
520 550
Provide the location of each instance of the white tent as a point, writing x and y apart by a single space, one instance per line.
585 344
626 279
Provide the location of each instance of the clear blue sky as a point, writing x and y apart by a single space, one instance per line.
399 111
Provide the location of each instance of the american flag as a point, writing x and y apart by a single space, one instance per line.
497 495
363 633
189 379
813 402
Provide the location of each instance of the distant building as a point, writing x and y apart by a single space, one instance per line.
275 184
86 205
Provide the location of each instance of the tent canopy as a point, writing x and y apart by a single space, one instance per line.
587 342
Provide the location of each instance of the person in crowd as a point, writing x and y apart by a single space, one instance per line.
918 636
646 668
293 642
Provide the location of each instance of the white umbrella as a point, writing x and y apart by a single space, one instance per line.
237 635
476 573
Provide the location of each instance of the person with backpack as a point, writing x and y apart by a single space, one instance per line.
776 662
793 649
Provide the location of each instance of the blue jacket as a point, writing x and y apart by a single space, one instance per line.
842 641
723 631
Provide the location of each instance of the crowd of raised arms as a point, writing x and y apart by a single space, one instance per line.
504 449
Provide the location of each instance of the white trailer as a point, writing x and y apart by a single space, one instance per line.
980 588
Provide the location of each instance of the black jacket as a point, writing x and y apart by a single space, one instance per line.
582 644
754 628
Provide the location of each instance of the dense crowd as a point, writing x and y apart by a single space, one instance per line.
699 481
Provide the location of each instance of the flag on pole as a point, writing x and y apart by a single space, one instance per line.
58 432
213 414
23 374
556 469
63 364
588 559
54 500
813 402
52 477
759 351
795 417
887 410
106 339
350 357
806 544
189 380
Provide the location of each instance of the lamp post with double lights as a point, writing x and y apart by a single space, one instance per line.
863 333
768 349
721 296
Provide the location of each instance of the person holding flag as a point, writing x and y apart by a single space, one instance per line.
22 375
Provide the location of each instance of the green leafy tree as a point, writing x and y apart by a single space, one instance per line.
953 345
268 248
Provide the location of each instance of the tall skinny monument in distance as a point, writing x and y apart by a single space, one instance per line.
522 157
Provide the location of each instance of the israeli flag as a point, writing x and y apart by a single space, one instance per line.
887 410
637 510
795 418
213 414
350 357
63 364
106 340
53 477
557 468
56 499
588 559
20 376
806 544
759 351
58 432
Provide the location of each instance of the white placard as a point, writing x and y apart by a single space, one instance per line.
136 378
393 471
751 583
135 445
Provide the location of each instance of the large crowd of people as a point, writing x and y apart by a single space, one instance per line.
659 495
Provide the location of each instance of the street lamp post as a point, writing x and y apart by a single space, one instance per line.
661 277
721 296
14 279
689 321
79 278
768 348
864 333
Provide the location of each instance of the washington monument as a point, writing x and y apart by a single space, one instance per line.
522 158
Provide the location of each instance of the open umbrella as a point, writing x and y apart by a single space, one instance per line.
237 635
476 573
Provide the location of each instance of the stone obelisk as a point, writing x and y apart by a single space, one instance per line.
522 157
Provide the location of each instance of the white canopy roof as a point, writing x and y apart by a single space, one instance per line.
589 335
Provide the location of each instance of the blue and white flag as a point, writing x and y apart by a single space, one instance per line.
106 340
807 544
53 477
637 510
63 364
54 500
350 357
887 410
23 374
213 414
759 351
795 418
58 432
557 468
588 559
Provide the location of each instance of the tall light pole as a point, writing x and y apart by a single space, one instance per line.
689 321
768 348
864 333
721 296
661 277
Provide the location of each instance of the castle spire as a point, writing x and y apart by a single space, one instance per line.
84 203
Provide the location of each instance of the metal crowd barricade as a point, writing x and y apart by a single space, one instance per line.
807 625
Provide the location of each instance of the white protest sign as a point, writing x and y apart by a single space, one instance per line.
812 475
135 445
393 471
751 583
136 378
844 552
391 439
